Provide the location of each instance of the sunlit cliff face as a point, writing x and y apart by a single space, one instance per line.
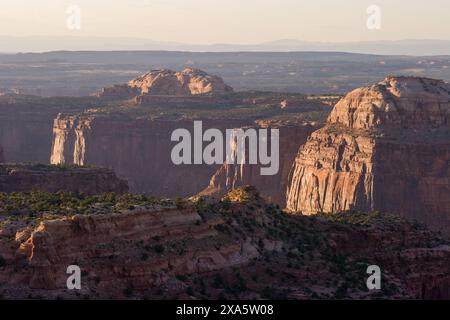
384 147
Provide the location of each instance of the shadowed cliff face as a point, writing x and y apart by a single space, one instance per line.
135 139
25 134
385 147
272 188
26 125
27 178
137 150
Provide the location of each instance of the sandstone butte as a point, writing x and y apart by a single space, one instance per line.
384 147
164 82
240 248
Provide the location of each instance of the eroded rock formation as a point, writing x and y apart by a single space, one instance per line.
164 82
26 178
26 125
138 151
385 147
272 187
54 244
240 247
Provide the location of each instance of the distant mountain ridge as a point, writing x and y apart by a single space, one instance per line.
416 47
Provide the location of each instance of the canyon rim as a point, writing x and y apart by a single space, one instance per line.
227 167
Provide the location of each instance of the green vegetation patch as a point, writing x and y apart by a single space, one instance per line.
363 219
35 206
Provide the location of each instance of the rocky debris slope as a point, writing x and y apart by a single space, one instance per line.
237 248
272 187
29 177
164 82
385 147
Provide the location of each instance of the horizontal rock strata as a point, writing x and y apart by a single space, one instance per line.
385 147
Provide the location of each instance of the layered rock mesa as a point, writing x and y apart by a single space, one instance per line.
237 248
271 187
89 181
93 240
140 249
139 150
385 147
187 83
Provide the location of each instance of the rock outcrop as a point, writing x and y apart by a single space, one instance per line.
271 187
139 150
55 244
26 125
402 248
238 248
164 82
385 147
26 178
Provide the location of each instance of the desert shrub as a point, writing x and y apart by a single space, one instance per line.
2 261
218 281
342 291
180 203
270 272
36 204
128 292
362 218
181 277
159 248
190 291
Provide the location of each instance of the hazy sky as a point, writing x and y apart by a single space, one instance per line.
230 21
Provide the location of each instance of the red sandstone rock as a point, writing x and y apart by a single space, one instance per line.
159 252
138 151
189 82
385 147
272 188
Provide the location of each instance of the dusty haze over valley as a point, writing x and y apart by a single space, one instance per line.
132 169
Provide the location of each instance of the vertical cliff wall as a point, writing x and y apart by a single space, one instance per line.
271 187
138 151
26 136
332 172
26 125
385 147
